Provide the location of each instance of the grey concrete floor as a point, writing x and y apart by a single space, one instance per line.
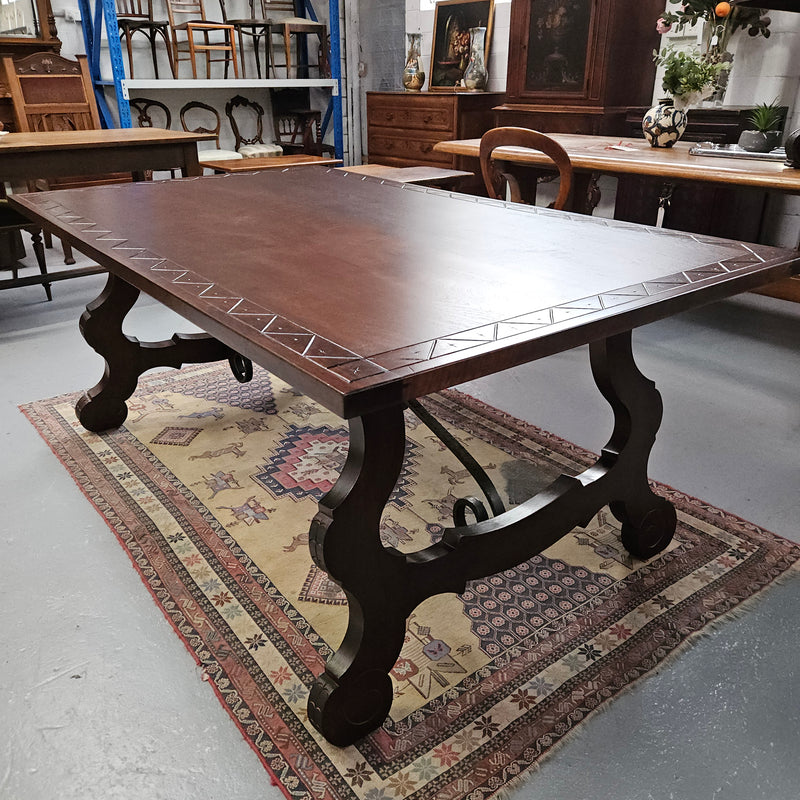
100 699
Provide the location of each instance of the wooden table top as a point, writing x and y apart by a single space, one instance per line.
271 162
636 157
369 293
111 137
423 176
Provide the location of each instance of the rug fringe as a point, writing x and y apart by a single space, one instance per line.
511 788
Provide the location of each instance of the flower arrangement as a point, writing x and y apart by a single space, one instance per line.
722 20
687 75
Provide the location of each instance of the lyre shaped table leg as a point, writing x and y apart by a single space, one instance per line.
648 521
354 694
103 407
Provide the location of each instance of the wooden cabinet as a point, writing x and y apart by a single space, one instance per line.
403 127
577 67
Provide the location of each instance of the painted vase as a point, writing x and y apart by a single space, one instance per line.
475 75
413 74
664 124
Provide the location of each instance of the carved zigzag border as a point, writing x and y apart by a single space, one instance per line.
351 366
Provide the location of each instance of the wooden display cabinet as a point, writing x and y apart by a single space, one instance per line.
577 66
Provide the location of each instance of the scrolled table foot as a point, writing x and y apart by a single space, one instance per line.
648 535
344 713
100 413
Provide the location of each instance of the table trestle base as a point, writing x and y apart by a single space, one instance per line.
383 585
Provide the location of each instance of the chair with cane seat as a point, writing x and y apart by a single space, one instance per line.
497 180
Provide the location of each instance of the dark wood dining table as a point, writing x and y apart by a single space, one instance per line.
368 296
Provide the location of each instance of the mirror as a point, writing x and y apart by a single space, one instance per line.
19 18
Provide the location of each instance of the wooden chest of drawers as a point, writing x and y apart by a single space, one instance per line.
403 127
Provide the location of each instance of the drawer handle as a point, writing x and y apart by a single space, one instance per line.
426 148
389 116
427 118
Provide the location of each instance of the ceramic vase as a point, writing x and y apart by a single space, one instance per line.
475 75
413 74
664 124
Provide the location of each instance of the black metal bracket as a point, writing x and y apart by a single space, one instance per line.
472 466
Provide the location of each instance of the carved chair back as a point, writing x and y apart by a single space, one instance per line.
51 93
144 113
245 116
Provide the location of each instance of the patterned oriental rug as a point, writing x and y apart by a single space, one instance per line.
211 486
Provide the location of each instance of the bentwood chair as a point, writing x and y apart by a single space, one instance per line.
136 16
287 20
188 17
256 29
247 123
497 181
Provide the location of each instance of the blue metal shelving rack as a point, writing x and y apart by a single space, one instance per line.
104 15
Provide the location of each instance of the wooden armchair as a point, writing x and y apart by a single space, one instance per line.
297 127
136 16
298 131
496 180
247 116
286 20
51 93
188 17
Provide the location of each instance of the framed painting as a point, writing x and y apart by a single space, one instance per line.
558 37
452 21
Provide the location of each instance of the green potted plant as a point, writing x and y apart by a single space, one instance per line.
688 77
765 134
